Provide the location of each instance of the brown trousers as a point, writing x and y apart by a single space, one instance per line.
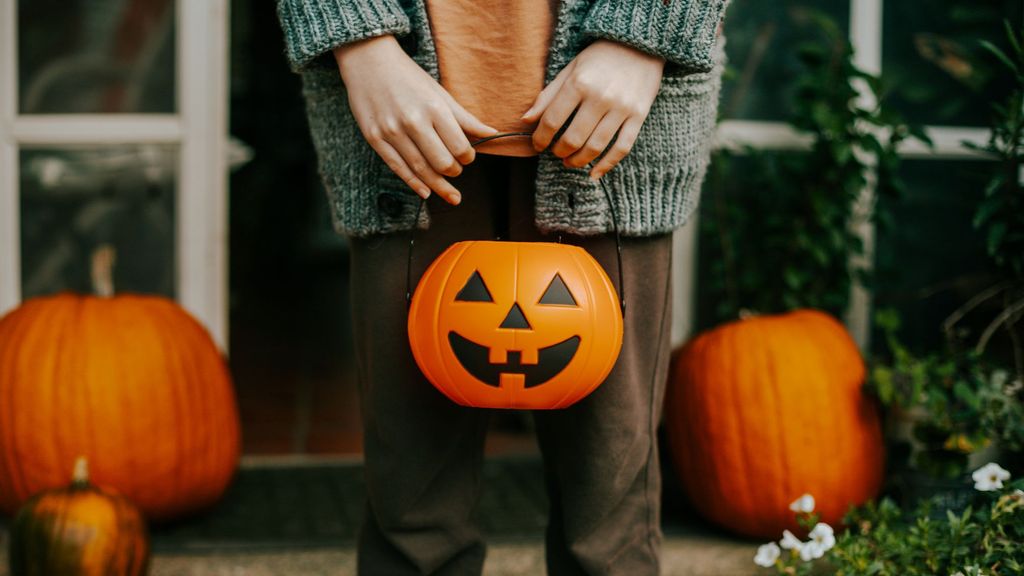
424 453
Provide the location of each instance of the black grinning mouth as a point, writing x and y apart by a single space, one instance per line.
550 361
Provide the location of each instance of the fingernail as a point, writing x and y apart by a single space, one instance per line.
527 114
595 175
455 198
423 192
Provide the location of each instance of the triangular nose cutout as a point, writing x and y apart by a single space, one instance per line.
515 318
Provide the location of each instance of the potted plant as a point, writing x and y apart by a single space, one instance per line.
950 410
946 413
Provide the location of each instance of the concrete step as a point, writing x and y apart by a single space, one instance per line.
299 520
691 555
691 550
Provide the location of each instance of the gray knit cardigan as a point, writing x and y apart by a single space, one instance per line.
655 188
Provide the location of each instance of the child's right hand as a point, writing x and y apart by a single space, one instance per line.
407 117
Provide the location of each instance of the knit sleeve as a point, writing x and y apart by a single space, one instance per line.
315 27
681 31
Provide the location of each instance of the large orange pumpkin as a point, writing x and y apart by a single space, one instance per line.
80 530
133 383
515 325
763 410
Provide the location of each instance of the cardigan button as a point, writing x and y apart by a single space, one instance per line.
389 205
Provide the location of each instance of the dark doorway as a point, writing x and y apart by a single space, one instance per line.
290 337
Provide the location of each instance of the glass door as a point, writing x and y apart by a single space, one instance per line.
113 132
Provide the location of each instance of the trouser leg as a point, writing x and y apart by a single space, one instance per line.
600 455
423 453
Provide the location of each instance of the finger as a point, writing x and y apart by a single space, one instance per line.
546 95
397 165
422 169
454 138
598 141
623 144
583 124
434 150
469 123
554 117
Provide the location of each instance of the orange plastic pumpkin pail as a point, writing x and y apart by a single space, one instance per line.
529 325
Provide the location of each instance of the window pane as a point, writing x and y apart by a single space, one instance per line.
762 41
74 200
934 65
766 246
931 260
727 186
96 56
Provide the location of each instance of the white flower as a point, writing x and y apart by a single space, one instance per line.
998 378
823 537
767 555
989 477
789 541
809 551
803 504
957 574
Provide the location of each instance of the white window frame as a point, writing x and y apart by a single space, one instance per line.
866 21
199 128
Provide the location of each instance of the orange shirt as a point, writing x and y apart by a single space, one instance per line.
492 57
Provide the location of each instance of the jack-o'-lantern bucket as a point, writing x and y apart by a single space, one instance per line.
526 325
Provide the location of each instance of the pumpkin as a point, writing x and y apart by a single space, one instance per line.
763 410
515 325
79 530
133 383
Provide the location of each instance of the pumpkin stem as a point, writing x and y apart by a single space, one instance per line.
80 475
102 272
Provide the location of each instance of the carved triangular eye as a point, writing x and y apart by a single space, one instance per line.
474 291
557 293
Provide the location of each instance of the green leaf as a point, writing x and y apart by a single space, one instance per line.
1012 37
964 393
994 50
996 233
921 134
995 185
986 210
794 278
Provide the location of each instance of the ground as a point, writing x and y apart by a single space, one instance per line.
301 520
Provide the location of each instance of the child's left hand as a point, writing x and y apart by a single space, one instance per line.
611 87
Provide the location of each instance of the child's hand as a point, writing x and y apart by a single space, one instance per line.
407 117
610 86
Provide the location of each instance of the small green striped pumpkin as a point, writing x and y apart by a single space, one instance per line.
79 530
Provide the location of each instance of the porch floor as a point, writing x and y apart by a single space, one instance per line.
300 518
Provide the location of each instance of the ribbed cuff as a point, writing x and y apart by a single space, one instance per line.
314 27
681 31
